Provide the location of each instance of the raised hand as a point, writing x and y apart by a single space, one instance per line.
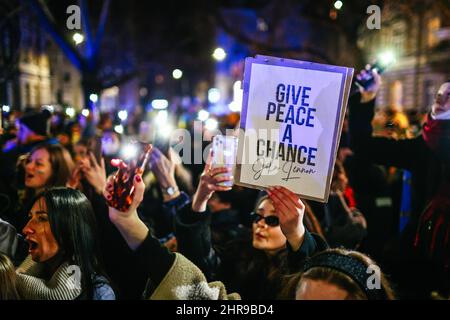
130 226
74 179
94 172
369 93
208 184
164 170
290 211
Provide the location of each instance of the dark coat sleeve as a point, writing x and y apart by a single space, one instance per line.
194 241
134 271
399 153
193 234
155 261
312 244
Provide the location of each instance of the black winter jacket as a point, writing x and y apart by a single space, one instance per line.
242 269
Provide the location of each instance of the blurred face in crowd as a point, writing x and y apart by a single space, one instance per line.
265 237
339 182
309 289
42 243
442 101
80 151
38 169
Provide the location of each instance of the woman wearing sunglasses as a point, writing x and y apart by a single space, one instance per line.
253 266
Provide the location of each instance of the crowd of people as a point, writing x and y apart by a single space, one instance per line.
186 235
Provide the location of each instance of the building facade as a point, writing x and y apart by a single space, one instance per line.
65 80
34 70
418 35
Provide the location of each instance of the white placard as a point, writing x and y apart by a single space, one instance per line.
291 122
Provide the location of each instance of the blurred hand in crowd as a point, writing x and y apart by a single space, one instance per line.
290 211
22 161
354 214
94 172
208 184
369 93
74 181
343 153
172 244
164 169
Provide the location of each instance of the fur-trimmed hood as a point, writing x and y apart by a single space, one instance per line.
185 281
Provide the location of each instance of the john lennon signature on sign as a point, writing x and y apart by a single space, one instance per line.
267 166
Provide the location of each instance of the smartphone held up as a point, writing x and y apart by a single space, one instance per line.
365 78
123 190
224 152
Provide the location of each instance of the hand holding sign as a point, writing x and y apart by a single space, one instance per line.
290 211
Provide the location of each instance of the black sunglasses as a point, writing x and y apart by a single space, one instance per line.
272 221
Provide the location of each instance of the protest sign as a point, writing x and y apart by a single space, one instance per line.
291 122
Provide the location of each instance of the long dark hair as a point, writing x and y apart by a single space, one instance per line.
74 227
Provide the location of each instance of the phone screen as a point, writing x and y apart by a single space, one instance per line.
95 146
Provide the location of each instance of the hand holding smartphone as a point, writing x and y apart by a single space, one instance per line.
224 151
366 77
95 146
123 189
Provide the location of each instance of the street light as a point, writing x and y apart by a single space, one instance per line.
219 54
338 5
203 115
211 124
123 115
6 109
93 97
236 104
213 95
119 130
85 113
70 112
386 58
78 38
177 74
160 104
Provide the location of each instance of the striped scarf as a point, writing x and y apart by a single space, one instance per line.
63 284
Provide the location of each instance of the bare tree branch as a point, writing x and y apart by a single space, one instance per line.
101 26
11 14
265 45
48 24
87 31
